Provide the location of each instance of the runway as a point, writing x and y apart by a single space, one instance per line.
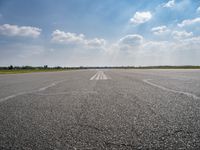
101 109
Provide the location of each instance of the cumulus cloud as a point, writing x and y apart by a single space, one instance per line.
73 38
23 31
181 34
96 42
136 44
189 22
67 37
131 40
169 4
160 30
153 52
175 34
141 17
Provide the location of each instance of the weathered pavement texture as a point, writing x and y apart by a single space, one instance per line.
100 109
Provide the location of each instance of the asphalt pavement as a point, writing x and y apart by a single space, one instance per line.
100 109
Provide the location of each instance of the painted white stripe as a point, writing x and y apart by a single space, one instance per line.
46 87
100 75
94 76
28 92
105 77
12 96
49 86
170 90
97 78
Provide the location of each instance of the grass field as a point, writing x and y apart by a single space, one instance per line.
28 71
17 71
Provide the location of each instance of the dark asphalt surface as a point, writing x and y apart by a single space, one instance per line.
132 109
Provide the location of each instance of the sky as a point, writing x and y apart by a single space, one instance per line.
99 32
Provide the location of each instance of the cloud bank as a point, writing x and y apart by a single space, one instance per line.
23 31
189 22
76 39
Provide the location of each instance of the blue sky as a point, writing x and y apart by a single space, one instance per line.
93 32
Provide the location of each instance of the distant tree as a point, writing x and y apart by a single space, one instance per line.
45 66
10 67
58 67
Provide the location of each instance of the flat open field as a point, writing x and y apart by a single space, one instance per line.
29 71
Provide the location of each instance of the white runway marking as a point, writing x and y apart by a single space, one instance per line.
99 76
28 92
12 96
170 90
92 78
51 85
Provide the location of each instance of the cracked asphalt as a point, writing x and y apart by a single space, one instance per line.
67 110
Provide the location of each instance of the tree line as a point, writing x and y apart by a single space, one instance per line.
46 67
11 67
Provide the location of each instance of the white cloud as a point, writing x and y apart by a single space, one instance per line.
137 45
152 52
96 42
198 9
169 4
160 30
24 31
131 40
189 22
63 37
141 17
181 34
77 39
163 30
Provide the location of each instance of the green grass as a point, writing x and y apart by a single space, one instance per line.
17 71
169 67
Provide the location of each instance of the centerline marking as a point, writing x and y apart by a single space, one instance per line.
170 90
100 75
